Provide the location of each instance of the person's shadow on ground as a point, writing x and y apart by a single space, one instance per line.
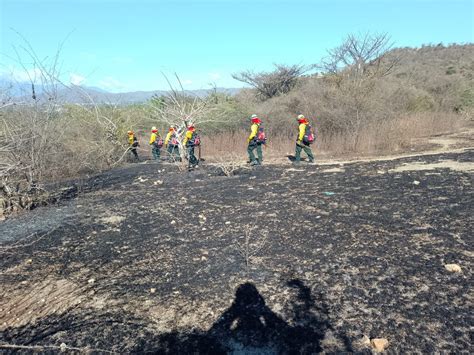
250 326
292 158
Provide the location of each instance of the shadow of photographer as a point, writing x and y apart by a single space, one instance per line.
250 326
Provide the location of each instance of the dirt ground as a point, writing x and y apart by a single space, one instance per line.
274 259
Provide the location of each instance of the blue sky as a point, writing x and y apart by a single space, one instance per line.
126 45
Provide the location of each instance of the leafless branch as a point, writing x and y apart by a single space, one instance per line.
360 56
44 348
229 164
270 84
254 240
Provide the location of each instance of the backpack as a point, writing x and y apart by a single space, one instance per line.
261 138
159 142
173 140
195 140
135 142
308 135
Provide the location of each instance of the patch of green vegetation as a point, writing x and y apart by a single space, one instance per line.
467 98
450 70
421 103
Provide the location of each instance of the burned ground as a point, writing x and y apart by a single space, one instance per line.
277 259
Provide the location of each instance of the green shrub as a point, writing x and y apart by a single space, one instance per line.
421 103
467 98
450 70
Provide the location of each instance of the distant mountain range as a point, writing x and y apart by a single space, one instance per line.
86 95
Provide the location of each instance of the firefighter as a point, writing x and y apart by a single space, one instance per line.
191 140
254 142
304 140
171 144
132 145
155 143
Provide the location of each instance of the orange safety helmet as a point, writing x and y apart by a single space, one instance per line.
130 133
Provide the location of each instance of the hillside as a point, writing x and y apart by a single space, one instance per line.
417 63
446 74
275 259
428 91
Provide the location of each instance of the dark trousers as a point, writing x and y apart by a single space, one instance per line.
173 152
133 153
251 148
155 151
306 149
193 161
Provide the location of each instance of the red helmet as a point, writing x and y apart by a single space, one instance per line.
302 119
256 120
191 128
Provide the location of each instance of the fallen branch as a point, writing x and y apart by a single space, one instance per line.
230 164
62 347
16 245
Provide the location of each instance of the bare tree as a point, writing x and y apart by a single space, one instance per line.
360 57
24 132
41 137
270 84
180 109
352 72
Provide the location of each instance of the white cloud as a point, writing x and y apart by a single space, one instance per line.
111 84
21 75
76 79
187 82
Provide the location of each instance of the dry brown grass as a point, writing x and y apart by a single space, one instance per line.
375 138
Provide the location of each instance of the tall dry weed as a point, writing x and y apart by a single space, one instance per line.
372 138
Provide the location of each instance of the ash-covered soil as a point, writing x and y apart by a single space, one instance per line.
275 259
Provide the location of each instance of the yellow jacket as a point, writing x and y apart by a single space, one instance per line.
168 137
188 136
153 138
130 139
253 132
302 131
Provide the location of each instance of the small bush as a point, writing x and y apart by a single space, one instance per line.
420 104
450 70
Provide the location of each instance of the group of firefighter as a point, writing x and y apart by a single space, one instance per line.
256 140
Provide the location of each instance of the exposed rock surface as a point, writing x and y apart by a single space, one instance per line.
453 267
379 344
